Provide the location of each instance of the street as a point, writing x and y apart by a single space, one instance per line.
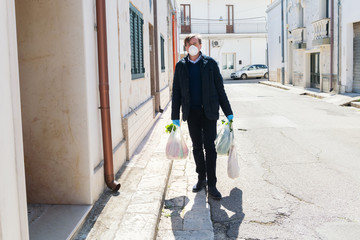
299 168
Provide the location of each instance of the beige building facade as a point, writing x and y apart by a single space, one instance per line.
320 42
51 129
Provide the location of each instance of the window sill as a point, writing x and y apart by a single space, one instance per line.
137 76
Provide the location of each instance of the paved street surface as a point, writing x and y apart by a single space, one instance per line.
300 165
299 176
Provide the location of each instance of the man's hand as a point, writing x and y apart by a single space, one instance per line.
230 117
176 122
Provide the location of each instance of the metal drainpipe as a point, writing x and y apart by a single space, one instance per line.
331 44
156 50
173 40
104 96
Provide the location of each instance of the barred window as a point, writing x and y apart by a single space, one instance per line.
162 42
136 39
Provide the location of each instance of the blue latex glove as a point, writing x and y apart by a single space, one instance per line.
176 122
230 117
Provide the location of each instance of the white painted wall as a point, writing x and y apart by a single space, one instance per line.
348 17
247 46
250 50
54 92
60 95
114 71
133 92
163 22
13 209
274 39
313 11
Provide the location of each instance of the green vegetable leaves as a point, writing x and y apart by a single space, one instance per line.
228 123
170 127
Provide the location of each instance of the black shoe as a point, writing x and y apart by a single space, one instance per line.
199 185
214 193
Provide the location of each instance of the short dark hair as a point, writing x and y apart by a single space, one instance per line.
190 36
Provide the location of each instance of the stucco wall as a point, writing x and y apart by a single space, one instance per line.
248 47
163 21
250 50
13 209
274 40
54 101
133 92
348 17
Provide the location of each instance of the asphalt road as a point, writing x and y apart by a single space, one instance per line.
299 168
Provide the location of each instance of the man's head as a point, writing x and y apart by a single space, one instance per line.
192 40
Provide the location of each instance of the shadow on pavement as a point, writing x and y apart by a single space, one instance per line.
227 214
232 81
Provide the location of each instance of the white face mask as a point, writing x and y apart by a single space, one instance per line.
193 50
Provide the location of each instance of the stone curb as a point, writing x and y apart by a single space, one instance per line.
355 104
337 99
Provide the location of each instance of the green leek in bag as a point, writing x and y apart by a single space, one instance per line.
224 138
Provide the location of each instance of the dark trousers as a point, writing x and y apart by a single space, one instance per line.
203 133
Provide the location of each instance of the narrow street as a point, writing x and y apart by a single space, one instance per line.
299 161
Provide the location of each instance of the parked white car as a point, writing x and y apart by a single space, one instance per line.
251 71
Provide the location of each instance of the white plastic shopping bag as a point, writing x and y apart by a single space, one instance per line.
176 147
233 168
224 139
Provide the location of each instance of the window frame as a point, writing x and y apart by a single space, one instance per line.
162 56
136 42
226 61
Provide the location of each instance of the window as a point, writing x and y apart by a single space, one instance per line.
136 39
324 8
300 16
185 18
162 42
230 23
252 68
228 60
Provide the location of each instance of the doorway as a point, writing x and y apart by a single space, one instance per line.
315 70
290 63
152 64
356 60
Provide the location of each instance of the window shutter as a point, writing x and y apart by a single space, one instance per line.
136 39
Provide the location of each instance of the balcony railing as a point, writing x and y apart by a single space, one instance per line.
223 27
298 37
321 28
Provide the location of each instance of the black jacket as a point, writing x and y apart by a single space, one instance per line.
213 92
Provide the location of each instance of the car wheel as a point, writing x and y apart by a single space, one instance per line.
266 75
243 76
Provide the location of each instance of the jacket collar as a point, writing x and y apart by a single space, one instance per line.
204 59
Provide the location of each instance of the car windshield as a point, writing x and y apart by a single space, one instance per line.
246 67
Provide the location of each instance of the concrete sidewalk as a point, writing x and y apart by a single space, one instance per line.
347 99
134 212
185 215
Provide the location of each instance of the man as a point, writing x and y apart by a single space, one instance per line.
198 88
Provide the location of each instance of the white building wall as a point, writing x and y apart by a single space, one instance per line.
248 41
164 21
297 61
348 17
13 209
137 91
54 93
274 41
